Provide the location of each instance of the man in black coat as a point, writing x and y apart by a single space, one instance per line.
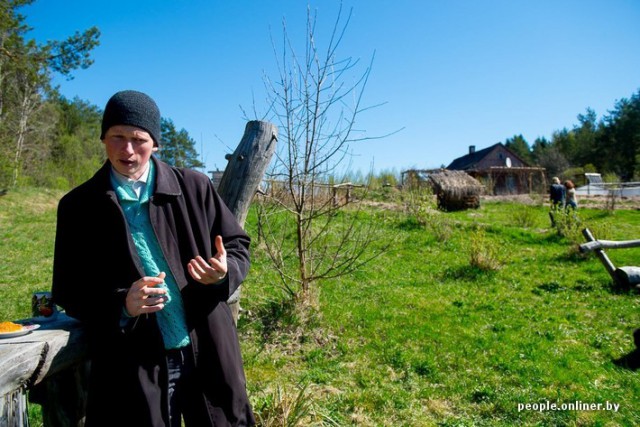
557 194
146 256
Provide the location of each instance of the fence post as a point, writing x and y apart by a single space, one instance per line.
242 177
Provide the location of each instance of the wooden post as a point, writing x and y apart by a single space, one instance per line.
622 276
13 409
608 265
608 244
243 175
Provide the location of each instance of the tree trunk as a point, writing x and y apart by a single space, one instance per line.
26 109
242 177
247 166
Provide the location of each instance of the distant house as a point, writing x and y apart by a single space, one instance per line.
216 177
501 171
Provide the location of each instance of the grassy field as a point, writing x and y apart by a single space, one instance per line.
465 320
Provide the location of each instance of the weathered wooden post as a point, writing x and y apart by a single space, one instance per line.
622 276
243 175
13 409
604 259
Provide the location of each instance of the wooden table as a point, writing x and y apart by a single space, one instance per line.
50 362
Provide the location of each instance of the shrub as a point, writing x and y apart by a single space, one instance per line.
284 408
568 224
484 254
525 216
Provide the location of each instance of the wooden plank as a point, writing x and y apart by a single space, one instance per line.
54 347
13 409
622 276
66 346
19 361
608 265
608 244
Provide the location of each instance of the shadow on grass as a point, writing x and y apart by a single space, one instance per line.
631 360
467 273
549 287
616 288
554 287
409 224
582 286
553 238
276 315
574 255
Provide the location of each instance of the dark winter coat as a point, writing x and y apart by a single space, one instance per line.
557 194
95 264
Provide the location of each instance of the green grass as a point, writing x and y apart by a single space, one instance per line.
27 233
419 337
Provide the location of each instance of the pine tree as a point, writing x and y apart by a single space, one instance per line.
177 148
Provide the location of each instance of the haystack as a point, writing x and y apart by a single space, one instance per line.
456 190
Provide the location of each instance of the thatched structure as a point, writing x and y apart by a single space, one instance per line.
456 190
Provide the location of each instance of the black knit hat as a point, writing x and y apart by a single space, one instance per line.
132 108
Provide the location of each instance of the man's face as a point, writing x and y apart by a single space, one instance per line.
128 149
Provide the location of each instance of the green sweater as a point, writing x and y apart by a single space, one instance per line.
171 318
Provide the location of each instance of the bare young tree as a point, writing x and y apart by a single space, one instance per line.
303 224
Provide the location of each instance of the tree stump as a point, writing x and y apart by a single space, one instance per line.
243 175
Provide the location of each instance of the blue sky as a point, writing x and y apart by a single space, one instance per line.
449 73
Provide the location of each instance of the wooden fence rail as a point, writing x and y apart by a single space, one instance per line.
622 276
